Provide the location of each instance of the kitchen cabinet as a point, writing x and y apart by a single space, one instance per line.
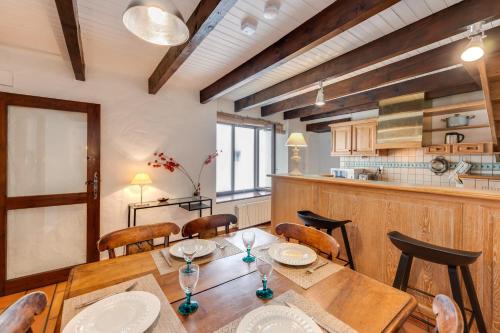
354 138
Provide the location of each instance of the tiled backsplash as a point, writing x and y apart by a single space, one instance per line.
411 166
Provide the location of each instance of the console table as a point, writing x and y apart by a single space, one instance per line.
190 204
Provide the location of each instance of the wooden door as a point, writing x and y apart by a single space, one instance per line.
341 140
49 189
364 138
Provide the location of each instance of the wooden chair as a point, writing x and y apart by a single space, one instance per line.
448 315
137 239
206 227
321 241
19 316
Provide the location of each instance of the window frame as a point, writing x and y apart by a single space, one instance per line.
256 130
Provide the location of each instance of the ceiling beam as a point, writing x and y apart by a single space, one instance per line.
447 91
68 15
426 83
324 126
438 58
205 17
443 24
336 18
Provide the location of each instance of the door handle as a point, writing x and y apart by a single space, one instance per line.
95 185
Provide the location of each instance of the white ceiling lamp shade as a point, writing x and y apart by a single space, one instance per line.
156 21
272 9
249 25
475 48
320 97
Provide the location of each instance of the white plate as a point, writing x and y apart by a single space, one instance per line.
131 312
203 247
292 254
277 319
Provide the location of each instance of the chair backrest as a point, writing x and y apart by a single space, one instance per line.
448 315
137 239
312 237
19 316
206 227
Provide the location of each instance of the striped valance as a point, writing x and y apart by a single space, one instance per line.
233 119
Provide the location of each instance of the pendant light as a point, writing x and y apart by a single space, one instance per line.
320 97
475 48
156 21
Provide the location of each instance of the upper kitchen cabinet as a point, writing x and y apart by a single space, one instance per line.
354 138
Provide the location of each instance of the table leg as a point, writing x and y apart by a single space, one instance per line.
135 216
128 220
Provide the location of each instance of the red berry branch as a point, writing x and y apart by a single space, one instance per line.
162 160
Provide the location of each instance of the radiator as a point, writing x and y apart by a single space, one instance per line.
253 213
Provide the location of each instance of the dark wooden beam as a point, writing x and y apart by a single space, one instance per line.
439 58
443 24
426 83
324 126
68 15
336 18
205 17
342 111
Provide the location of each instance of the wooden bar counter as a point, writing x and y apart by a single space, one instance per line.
451 217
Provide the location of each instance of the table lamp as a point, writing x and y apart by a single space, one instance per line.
141 179
296 140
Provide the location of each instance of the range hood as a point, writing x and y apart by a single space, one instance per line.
400 121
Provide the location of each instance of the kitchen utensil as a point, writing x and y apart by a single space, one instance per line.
439 165
203 248
453 137
313 269
132 312
457 120
277 318
292 254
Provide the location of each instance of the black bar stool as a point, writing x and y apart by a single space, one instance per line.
319 222
452 258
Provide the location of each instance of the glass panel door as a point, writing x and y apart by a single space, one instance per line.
50 171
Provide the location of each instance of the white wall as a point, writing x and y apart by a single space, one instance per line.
134 125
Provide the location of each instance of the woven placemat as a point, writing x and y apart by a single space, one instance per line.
228 250
167 321
329 322
298 274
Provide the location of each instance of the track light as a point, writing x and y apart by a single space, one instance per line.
475 48
320 97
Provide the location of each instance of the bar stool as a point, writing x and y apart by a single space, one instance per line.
452 258
319 222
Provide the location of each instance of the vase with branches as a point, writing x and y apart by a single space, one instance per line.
162 160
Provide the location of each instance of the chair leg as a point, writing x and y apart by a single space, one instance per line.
403 272
471 292
457 295
347 247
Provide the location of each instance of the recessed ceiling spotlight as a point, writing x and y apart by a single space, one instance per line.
249 25
272 9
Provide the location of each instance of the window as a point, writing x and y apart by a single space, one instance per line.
245 158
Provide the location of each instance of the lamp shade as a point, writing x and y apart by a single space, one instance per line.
296 140
475 49
141 179
156 21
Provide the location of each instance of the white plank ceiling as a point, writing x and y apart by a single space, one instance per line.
34 24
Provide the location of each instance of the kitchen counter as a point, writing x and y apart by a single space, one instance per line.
452 217
448 191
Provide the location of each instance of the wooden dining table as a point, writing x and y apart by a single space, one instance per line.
226 290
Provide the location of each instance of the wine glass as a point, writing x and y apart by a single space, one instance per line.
265 269
248 240
189 249
188 278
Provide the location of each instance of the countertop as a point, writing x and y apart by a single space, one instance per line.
375 184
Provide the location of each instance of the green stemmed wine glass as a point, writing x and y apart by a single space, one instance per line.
248 240
265 269
188 278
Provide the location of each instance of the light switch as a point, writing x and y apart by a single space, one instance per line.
6 78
